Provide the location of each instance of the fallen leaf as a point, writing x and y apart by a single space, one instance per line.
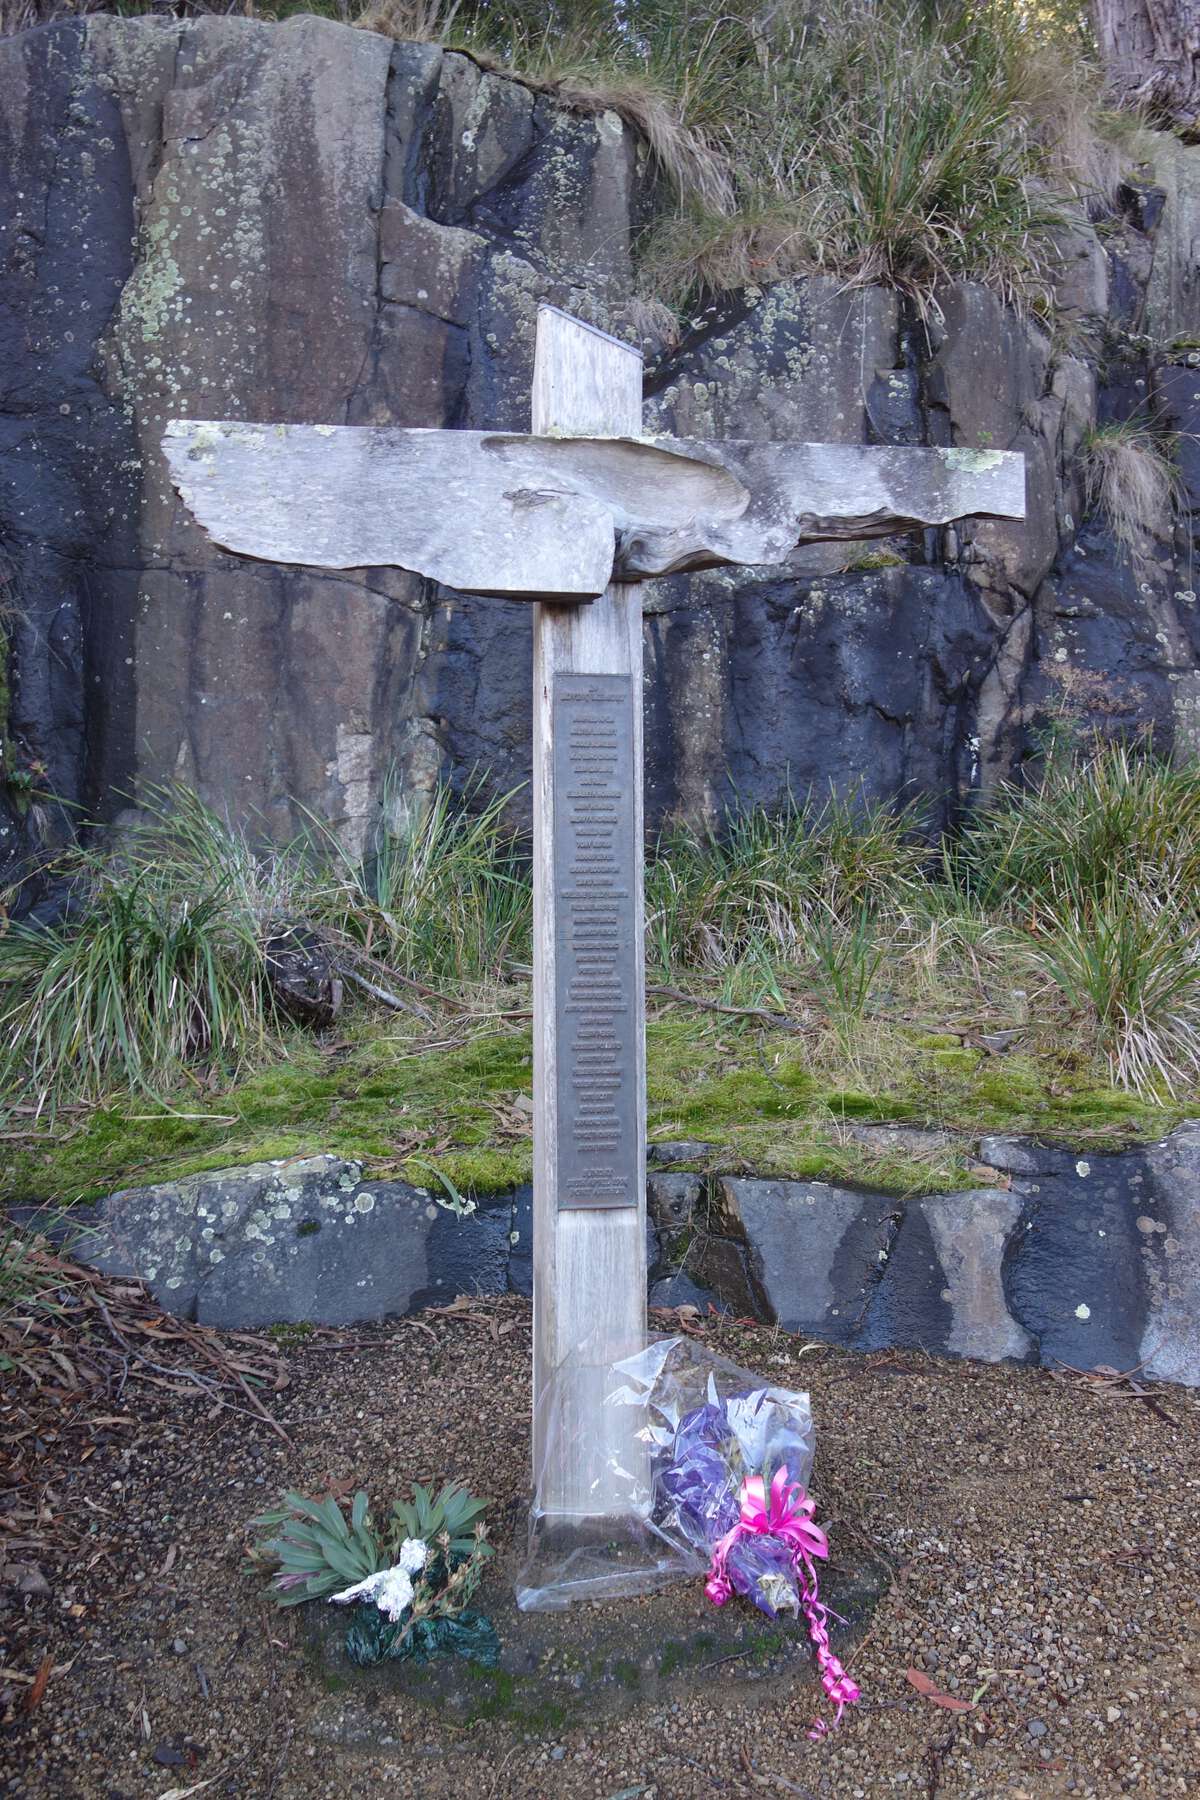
34 1697
932 1692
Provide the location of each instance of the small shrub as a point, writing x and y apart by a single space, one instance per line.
413 1580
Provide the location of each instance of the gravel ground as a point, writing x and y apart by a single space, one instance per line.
1044 1537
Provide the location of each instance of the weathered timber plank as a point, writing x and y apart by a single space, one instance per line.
589 1261
539 516
358 496
799 493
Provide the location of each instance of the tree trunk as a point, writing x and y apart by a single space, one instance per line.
1151 49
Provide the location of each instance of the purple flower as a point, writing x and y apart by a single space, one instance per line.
703 1479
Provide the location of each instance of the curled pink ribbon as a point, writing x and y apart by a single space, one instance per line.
786 1513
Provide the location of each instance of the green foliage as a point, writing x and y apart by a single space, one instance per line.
1132 480
775 884
442 893
1065 915
1135 973
314 1550
1106 813
448 1517
1100 867
889 143
905 141
847 955
419 1609
160 964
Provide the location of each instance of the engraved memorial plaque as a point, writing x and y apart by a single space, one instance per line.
595 872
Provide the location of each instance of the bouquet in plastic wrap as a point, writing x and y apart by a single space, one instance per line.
735 1479
732 1456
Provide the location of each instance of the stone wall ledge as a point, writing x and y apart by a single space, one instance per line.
1064 1258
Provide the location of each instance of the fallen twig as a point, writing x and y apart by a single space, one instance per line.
382 995
779 1021
1116 1384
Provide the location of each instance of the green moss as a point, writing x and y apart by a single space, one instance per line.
870 560
290 1335
765 1645
378 1105
766 1102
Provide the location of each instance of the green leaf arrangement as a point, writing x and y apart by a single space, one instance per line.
448 1518
312 1550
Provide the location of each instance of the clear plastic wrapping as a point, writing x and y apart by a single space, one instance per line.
673 1433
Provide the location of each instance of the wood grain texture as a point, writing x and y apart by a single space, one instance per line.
543 515
589 1265
359 496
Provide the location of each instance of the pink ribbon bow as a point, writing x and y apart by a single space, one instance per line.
786 1513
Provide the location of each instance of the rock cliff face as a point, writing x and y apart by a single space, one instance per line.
224 218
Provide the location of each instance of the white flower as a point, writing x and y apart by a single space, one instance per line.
390 1589
362 1590
395 1593
414 1554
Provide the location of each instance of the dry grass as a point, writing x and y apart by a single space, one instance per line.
411 21
901 144
1131 479
901 141
682 152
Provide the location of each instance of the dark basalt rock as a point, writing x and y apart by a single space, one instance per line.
1085 1260
813 1251
227 217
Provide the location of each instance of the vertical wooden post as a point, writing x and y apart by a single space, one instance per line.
589 1082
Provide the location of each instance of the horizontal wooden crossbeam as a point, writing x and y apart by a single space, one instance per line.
559 517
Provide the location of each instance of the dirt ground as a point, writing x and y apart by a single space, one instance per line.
1044 1538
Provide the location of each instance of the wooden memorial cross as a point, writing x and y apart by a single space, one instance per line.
572 517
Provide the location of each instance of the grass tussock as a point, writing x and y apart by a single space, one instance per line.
1131 479
157 967
161 964
910 142
442 894
903 141
815 967
1098 869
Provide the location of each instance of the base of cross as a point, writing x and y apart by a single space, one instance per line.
592 1557
564 1668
